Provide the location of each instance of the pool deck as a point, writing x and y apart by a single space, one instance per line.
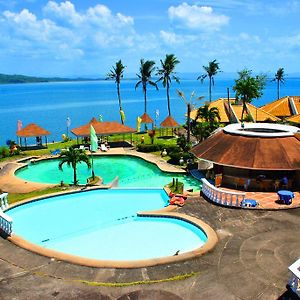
250 261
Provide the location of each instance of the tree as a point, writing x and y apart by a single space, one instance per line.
211 70
189 107
146 68
279 78
116 74
248 87
209 115
72 157
166 74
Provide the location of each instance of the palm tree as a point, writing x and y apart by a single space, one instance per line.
279 77
166 74
248 87
146 68
116 73
188 105
211 70
209 115
72 157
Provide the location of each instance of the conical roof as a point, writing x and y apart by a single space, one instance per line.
169 122
32 130
146 118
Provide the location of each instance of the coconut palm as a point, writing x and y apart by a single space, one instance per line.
116 74
248 87
72 157
166 73
146 68
211 70
207 114
188 106
279 78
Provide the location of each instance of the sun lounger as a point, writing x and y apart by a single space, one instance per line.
55 152
103 148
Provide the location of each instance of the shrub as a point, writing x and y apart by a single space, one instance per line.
175 157
148 148
4 151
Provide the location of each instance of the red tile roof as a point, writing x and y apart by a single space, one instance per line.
146 118
32 130
169 122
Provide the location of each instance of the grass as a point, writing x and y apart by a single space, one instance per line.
16 197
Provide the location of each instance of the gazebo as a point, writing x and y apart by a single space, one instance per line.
169 122
254 156
146 119
33 130
102 129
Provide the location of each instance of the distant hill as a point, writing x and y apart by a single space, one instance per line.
6 79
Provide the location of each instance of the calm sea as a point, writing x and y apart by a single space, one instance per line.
49 104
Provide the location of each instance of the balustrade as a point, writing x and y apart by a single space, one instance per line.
3 201
5 223
220 196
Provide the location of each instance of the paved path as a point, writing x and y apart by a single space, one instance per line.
250 262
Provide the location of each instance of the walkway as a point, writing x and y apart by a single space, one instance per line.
250 261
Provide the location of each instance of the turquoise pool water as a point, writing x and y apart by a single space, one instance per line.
132 172
102 224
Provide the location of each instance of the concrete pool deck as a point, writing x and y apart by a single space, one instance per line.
250 261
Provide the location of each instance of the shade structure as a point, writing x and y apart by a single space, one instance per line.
169 122
32 130
276 151
102 128
146 118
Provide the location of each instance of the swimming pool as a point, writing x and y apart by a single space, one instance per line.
103 224
132 172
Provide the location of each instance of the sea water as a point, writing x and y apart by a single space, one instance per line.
49 104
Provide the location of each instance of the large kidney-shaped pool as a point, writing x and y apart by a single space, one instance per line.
104 225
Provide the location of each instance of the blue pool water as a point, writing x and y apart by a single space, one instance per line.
132 172
102 224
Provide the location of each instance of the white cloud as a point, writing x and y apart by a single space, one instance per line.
197 17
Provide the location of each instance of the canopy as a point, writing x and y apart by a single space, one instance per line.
169 122
146 118
32 130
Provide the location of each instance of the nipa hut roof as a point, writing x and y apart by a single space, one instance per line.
251 152
32 130
146 118
169 122
102 128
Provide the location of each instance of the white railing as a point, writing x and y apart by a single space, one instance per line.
5 223
3 201
295 277
221 196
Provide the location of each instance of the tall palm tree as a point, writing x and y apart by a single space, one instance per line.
279 78
72 157
146 68
248 87
209 115
116 74
166 73
211 70
189 107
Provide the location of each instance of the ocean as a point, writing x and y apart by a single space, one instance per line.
50 104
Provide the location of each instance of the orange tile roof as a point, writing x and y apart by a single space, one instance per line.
279 108
297 102
32 130
169 122
294 119
102 128
259 115
146 118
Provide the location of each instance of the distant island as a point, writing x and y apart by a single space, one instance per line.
7 79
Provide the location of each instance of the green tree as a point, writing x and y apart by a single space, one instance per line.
189 107
279 78
211 70
167 73
248 87
146 69
116 74
72 157
207 114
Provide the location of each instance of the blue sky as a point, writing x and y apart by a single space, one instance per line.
86 37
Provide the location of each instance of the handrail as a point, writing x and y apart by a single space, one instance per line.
3 201
5 223
220 196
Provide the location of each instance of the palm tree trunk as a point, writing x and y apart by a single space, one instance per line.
119 98
75 175
145 98
209 89
188 123
168 98
278 87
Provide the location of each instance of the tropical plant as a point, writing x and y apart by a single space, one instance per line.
211 70
207 114
116 74
248 87
202 130
167 73
279 78
146 68
72 157
189 107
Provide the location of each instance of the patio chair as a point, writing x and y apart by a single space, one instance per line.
103 148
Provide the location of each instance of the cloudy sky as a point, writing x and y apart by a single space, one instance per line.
86 37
